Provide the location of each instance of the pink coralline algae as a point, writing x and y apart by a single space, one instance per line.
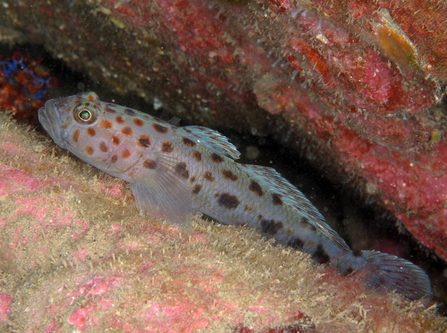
5 306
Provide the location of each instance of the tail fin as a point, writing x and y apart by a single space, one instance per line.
395 273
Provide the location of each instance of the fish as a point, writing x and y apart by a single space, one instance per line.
176 171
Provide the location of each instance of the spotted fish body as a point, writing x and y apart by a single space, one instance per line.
176 170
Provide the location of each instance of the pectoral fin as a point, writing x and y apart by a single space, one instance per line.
164 191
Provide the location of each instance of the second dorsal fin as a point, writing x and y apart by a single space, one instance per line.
270 179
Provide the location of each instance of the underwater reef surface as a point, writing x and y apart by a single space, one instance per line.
75 254
356 86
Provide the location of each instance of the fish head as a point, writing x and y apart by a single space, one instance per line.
86 127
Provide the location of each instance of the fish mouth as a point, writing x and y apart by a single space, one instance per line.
50 120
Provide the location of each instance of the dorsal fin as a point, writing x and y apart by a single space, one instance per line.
274 182
211 139
174 121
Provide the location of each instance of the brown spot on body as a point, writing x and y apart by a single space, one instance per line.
116 140
114 158
192 179
91 131
144 141
306 224
216 158
149 164
197 156
228 201
125 153
138 122
320 255
127 131
109 109
166 147
296 243
256 188
120 120
159 128
197 189
276 199
75 137
271 227
129 112
208 175
103 147
348 271
106 124
229 175
89 150
188 142
180 169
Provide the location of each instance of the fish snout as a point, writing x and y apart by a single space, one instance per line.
49 118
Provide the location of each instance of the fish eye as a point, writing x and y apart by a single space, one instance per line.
84 115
